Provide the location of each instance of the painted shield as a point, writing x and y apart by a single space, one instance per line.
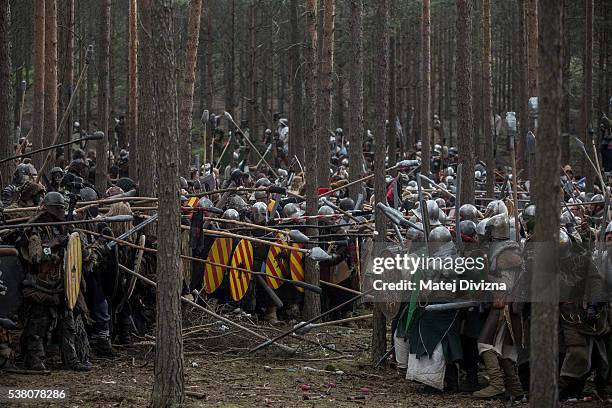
239 280
11 279
72 269
220 254
296 265
276 265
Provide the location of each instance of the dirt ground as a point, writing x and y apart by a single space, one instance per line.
220 371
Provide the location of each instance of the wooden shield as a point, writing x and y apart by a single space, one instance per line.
220 254
239 280
137 266
296 265
72 269
275 267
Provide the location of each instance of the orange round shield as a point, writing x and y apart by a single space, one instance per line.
239 280
220 254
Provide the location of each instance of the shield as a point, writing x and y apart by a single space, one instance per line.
239 280
72 269
192 201
296 265
220 254
11 278
275 266
340 272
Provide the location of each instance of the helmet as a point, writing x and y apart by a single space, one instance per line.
236 176
433 213
184 184
24 172
325 210
88 194
450 171
259 213
113 191
481 228
283 122
566 219
30 191
126 184
565 244
441 203
282 174
338 131
496 207
414 234
468 227
56 172
9 194
262 182
528 217
236 202
231 214
347 204
260 194
498 227
292 210
204 203
468 212
55 204
440 234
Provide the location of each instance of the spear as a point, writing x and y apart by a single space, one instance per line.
208 312
229 117
23 87
116 218
95 136
204 120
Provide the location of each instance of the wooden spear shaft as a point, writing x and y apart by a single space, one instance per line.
210 313
515 190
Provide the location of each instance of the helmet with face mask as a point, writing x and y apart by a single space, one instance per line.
56 174
292 210
259 213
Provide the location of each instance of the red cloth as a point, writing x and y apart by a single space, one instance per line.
323 190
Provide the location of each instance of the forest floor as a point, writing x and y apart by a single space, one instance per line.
220 372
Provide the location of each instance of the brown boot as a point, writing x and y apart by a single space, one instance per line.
271 317
511 380
496 378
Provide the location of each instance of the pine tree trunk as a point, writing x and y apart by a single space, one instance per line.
544 346
103 50
325 102
145 143
312 302
356 130
392 130
132 119
465 123
38 94
50 73
210 82
425 111
565 103
587 96
186 110
489 140
66 61
6 134
532 48
523 84
251 77
381 113
168 386
296 114
476 77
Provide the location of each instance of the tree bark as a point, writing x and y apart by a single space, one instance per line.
465 123
168 386
6 127
132 119
38 94
50 73
425 111
544 346
356 130
587 96
191 54
325 103
532 48
296 140
146 145
312 302
381 113
210 82
104 35
66 61
392 112
488 97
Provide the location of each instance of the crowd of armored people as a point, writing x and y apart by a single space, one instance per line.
480 347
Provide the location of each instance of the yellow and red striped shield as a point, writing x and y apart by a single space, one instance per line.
276 265
239 280
220 254
192 201
296 264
